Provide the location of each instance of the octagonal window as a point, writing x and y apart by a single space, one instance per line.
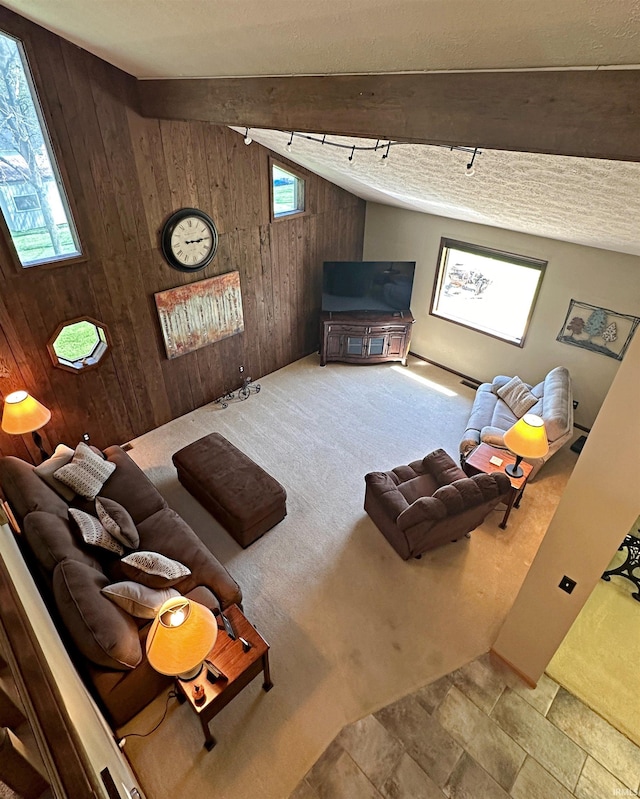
78 344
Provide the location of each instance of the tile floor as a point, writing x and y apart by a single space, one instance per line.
479 733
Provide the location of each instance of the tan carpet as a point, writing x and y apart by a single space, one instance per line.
598 660
352 627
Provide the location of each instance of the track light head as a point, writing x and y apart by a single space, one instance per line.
247 138
470 169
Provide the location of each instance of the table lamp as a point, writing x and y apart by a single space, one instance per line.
526 439
22 414
181 636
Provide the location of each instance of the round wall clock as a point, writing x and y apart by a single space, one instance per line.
189 240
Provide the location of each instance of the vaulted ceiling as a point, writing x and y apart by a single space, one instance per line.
584 200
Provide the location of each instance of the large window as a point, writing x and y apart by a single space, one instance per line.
487 290
287 192
32 197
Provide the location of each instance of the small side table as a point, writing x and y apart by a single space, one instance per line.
478 462
238 667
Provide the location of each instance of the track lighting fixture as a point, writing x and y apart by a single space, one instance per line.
247 138
470 168
381 144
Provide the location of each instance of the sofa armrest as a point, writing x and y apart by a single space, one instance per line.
385 492
214 575
493 436
557 403
425 509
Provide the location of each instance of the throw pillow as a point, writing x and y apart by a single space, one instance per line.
138 600
87 472
517 396
93 532
117 521
153 569
45 470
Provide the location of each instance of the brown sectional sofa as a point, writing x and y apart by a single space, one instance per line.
106 643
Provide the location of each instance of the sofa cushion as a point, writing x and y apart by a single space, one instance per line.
517 396
503 417
87 472
117 521
442 466
131 487
93 533
137 599
51 540
26 492
422 486
62 455
102 631
153 569
168 533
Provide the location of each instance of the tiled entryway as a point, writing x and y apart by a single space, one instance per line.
479 733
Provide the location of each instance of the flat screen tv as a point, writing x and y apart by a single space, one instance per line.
383 286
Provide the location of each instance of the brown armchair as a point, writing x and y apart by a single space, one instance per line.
430 502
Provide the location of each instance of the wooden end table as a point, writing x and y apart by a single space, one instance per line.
478 462
237 666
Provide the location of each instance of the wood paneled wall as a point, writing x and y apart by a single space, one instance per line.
125 174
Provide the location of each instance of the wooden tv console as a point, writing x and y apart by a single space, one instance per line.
365 337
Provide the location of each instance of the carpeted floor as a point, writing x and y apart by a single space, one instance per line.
352 627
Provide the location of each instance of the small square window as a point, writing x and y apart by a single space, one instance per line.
287 192
26 202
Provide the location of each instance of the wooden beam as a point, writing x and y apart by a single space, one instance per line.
587 113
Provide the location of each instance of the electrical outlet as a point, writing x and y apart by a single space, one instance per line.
575 404
241 369
567 584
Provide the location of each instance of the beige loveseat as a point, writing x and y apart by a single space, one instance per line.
491 416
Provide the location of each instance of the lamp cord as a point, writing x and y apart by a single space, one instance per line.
122 741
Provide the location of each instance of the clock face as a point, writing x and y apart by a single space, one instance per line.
189 240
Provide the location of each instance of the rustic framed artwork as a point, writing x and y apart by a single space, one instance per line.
200 313
598 329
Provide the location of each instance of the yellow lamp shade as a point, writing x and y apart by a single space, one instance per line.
528 437
181 636
23 414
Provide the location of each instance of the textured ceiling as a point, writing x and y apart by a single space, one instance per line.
584 201
579 200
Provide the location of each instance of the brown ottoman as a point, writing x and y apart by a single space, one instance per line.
234 489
